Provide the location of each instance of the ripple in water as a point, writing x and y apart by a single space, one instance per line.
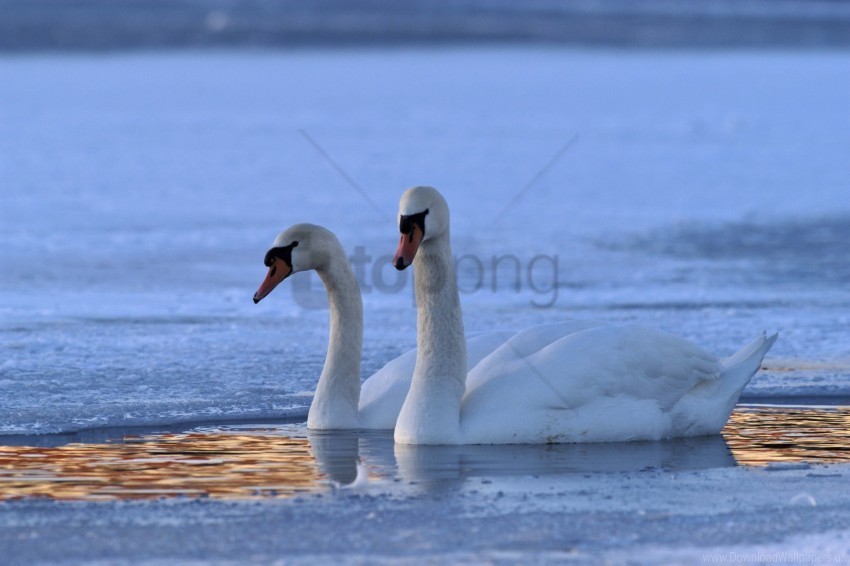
242 462
759 436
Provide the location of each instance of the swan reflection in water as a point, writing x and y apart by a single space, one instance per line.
754 436
338 455
237 462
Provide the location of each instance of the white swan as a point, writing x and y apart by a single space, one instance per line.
340 401
570 382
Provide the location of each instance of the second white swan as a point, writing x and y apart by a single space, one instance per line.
571 382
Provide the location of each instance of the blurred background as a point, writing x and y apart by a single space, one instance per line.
115 24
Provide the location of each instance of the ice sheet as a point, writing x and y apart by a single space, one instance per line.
704 193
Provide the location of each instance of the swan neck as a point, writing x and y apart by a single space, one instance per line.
338 391
439 316
431 412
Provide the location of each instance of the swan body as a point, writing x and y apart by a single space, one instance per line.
383 394
341 402
577 381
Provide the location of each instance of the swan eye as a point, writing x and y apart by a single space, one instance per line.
284 253
406 223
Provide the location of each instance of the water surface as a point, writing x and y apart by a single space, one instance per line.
282 460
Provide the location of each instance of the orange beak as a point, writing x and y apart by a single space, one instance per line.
407 247
278 271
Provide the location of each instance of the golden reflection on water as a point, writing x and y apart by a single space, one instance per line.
761 435
217 464
271 462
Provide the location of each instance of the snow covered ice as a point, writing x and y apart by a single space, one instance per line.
140 193
705 193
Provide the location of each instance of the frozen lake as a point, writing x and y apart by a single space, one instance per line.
223 494
701 193
704 193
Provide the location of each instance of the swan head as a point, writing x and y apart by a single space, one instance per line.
298 248
423 215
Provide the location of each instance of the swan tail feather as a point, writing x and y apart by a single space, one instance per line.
707 409
739 368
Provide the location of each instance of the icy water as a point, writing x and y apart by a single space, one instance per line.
140 192
262 461
703 193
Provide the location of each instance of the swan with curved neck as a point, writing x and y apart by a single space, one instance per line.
340 402
307 246
571 382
